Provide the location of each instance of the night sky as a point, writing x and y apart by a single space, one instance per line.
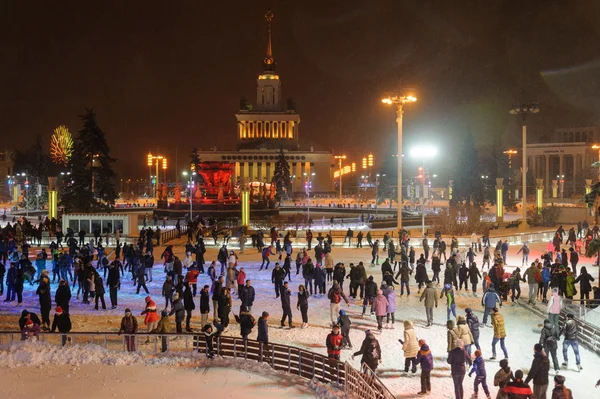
169 74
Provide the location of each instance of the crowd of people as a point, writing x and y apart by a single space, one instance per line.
85 264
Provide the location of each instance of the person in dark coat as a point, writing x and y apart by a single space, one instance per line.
538 372
63 296
560 391
473 323
246 321
247 295
585 285
263 328
285 305
457 358
62 322
277 276
114 283
43 292
26 315
425 359
370 351
189 306
129 327
549 341
302 305
345 323
204 305
179 311
99 286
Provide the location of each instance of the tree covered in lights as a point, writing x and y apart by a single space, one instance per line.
281 177
92 177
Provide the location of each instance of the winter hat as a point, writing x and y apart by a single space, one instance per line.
367 332
148 299
519 374
151 305
342 312
29 323
447 286
559 379
127 310
164 313
461 319
538 347
58 310
422 342
468 310
460 343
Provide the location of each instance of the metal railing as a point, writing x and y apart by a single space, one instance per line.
293 360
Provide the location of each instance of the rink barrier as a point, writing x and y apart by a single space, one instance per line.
310 365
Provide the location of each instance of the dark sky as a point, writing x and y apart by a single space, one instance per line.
169 74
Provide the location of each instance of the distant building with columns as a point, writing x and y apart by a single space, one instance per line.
569 153
267 127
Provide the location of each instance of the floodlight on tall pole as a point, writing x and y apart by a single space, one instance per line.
399 101
340 158
190 188
422 153
524 110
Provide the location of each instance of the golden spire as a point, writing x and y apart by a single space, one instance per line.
269 61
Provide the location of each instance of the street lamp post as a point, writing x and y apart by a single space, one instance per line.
524 110
399 101
307 187
190 188
340 158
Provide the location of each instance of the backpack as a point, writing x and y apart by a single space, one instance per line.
336 297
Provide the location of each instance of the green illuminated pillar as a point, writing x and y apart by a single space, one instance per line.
554 188
539 198
499 199
52 198
588 185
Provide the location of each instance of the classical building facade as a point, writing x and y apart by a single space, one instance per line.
568 157
266 128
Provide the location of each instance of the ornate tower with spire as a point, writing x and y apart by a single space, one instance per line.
270 123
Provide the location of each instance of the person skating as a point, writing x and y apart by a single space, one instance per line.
404 272
370 351
204 305
302 305
431 299
425 359
501 378
390 295
114 283
152 318
517 389
246 322
217 288
45 300
225 304
62 322
463 332
334 343
549 341
163 326
555 306
129 327
335 296
474 277
538 372
480 375
370 293
585 286
560 391
448 294
263 328
457 358
489 300
62 297
499 333
247 295
569 330
380 304
141 282
345 323
189 306
178 310
410 346
308 273
266 252
285 305
473 323
99 287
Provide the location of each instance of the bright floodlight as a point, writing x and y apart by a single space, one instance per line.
423 151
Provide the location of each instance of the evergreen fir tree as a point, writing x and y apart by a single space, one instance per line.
92 186
281 177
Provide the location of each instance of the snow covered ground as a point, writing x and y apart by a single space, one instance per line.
522 326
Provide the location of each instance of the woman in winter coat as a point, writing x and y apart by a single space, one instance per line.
179 311
585 286
501 378
380 304
451 335
473 323
570 290
549 340
463 332
370 351
390 295
302 305
410 346
246 321
151 319
329 266
129 326
555 305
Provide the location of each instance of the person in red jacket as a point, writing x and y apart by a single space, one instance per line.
334 342
191 277
241 279
152 318
517 389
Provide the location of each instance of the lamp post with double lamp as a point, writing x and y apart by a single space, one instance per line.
190 187
524 110
340 158
422 153
307 188
151 162
510 153
399 101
